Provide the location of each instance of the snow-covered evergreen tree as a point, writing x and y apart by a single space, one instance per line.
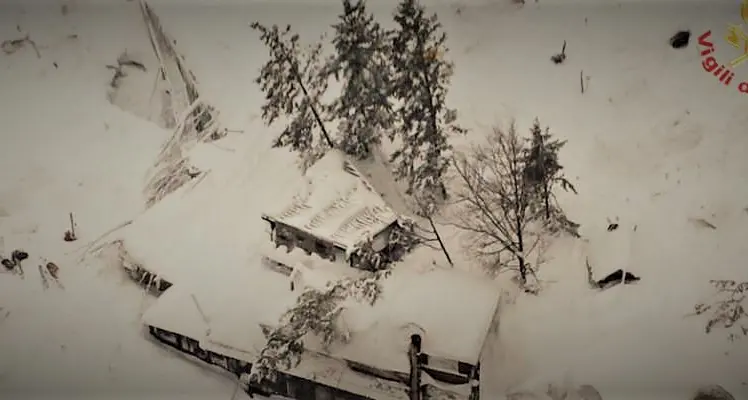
543 172
419 87
315 313
361 62
293 84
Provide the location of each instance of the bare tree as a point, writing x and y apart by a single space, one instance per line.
496 203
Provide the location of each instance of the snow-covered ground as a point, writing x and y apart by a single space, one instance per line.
655 143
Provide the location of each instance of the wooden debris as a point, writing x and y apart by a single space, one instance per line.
702 223
70 234
13 45
50 270
680 39
560 57
53 270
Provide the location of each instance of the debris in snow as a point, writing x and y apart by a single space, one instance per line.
581 80
14 263
713 392
70 234
616 277
8 264
728 309
612 227
19 255
13 45
680 39
560 57
51 270
702 223
124 60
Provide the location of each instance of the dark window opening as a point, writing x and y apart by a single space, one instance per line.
446 377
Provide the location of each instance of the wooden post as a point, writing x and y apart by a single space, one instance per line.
475 383
72 225
581 80
415 369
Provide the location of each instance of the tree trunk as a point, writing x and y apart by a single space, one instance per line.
521 255
441 243
314 110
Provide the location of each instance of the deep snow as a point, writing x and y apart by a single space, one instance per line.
655 142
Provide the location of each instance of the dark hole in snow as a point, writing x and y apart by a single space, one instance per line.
612 227
680 39
616 278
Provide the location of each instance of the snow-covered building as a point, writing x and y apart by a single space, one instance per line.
450 311
334 213
428 322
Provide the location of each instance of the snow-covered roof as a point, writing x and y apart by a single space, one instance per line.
336 204
451 310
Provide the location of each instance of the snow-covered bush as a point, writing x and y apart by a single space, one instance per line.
726 309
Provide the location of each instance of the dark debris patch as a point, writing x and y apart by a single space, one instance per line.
680 39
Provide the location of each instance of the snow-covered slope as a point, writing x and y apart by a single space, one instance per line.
654 143
64 148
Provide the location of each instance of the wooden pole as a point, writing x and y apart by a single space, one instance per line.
415 371
72 225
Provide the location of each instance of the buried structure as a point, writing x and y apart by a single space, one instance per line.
336 212
421 339
417 313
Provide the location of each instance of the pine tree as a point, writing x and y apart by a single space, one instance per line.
293 84
421 78
361 62
543 172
